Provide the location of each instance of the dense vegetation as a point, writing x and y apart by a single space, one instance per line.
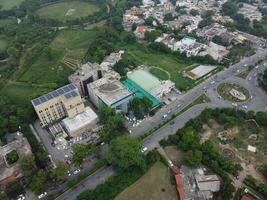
188 139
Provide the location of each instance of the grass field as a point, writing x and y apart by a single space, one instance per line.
67 10
7 4
67 49
167 62
154 185
22 93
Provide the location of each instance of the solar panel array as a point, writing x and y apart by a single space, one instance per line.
70 88
71 94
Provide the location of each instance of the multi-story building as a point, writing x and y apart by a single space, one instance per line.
84 75
63 102
110 92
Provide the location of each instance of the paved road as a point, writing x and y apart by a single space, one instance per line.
89 183
228 75
197 91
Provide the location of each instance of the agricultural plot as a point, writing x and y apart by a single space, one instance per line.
67 10
155 184
8 4
66 50
162 65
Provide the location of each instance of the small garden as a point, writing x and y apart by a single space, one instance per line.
233 92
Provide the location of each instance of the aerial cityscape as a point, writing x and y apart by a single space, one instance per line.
133 99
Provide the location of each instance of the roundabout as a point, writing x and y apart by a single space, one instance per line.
233 92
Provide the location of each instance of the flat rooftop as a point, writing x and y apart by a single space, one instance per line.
202 70
144 79
110 90
81 120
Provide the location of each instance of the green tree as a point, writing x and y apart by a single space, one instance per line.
14 189
60 172
193 158
79 153
3 196
125 152
27 165
150 36
39 182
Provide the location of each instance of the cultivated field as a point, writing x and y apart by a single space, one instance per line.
160 63
67 10
67 50
154 185
7 4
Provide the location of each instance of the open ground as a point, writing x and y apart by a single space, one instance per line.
7 4
155 184
235 146
67 10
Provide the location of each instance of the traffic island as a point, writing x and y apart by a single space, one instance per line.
233 92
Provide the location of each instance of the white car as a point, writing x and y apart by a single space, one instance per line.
170 163
69 173
164 116
244 106
76 171
179 105
42 195
144 150
21 197
212 82
234 104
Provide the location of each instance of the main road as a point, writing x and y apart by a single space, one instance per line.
257 102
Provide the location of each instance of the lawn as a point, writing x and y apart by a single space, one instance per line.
67 10
67 49
167 62
7 22
7 4
154 185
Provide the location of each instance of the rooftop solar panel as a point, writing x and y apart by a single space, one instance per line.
54 93
49 96
36 102
66 88
71 86
60 91
74 93
42 99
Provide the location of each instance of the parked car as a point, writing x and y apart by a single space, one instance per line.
144 149
42 195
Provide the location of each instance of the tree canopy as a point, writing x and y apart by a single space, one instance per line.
125 152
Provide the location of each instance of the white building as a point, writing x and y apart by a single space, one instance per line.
81 123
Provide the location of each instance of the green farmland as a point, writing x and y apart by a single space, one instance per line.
8 4
67 50
67 10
